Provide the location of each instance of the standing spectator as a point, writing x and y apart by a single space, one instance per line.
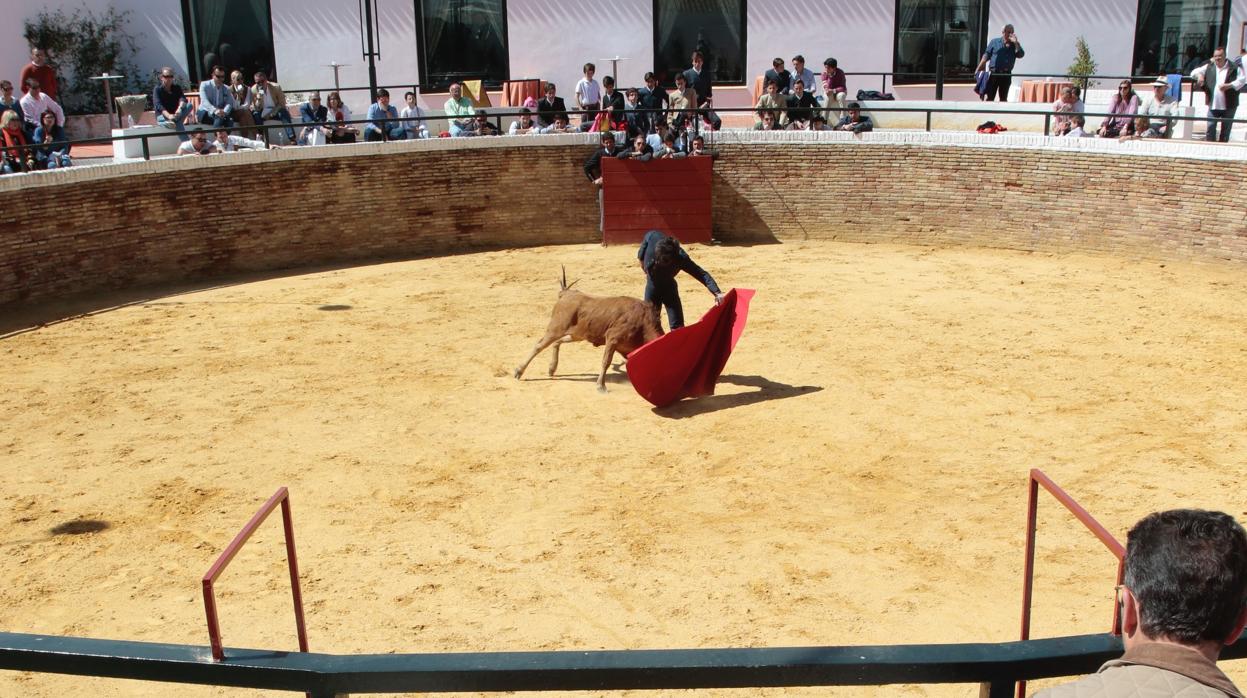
523 125
216 102
773 103
36 101
855 121
593 166
378 128
613 105
701 83
1192 61
458 110
39 69
14 157
782 78
1220 81
801 106
48 156
655 100
683 101
1159 109
242 103
800 72
268 101
1123 106
198 145
413 118
835 84
10 102
588 96
662 258
313 115
635 119
339 114
170 103
550 107
1002 52
1182 600
1065 105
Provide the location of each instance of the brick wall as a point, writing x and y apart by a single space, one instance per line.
196 218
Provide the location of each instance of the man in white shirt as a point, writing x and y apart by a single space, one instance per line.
198 144
413 118
1160 108
36 101
588 96
1220 81
228 143
523 125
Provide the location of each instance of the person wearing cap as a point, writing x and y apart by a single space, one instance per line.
662 258
855 120
1160 107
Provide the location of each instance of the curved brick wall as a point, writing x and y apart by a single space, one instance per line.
91 229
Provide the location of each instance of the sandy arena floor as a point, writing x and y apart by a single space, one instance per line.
859 479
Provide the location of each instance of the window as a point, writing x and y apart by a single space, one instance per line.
717 27
921 26
236 34
1176 36
462 40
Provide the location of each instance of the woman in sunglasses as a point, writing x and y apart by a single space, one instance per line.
1123 107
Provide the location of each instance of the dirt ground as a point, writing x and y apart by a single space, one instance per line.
859 479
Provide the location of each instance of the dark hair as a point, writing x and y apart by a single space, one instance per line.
799 81
216 68
608 136
382 93
408 93
669 138
589 66
853 105
524 111
698 138
1188 570
32 83
608 81
667 253
681 76
260 74
699 54
549 86
769 81
776 62
831 63
332 96
650 76
798 57
1008 28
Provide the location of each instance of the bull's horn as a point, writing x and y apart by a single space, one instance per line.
563 281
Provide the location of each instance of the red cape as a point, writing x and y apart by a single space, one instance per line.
688 361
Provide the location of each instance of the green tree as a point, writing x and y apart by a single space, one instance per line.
81 44
1082 66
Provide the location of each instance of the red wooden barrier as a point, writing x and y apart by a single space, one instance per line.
668 195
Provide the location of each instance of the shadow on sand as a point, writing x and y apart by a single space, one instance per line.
766 390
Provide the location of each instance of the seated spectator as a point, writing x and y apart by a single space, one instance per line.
593 166
613 105
314 115
855 121
198 144
635 118
819 123
774 102
459 110
216 102
338 130
782 78
697 149
805 75
640 150
1124 105
170 103
1160 108
10 102
47 155
683 101
480 125
413 116
560 125
655 100
523 125
667 149
835 84
766 121
14 157
1142 128
801 106
1065 105
1182 599
1077 125
35 102
549 107
268 101
242 104
378 128
226 142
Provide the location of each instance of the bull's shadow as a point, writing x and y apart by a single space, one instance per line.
766 390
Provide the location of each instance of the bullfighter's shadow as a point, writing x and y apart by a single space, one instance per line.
766 390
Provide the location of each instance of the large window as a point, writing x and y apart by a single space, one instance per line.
923 25
462 40
1175 36
237 34
717 27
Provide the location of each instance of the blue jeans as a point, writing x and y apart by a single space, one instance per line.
214 121
57 159
281 115
179 120
394 133
666 293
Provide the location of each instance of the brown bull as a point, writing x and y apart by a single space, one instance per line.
623 324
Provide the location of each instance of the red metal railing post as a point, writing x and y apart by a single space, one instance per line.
1028 568
295 592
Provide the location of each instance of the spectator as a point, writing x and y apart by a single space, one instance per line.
698 149
339 131
1078 123
413 118
10 102
228 143
613 105
772 102
14 156
701 83
782 78
588 96
1182 600
1220 81
378 128
523 125
559 125
314 116
855 121
550 106
1002 52
1065 105
1143 128
268 101
1123 106
198 144
36 101
662 258
835 84
1192 61
170 103
458 110
1160 108
39 69
805 75
667 149
766 121
593 166
819 123
683 100
242 104
655 100
659 135
635 119
480 125
216 102
640 150
801 106
48 156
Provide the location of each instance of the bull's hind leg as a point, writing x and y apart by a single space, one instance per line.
554 353
541 344
606 363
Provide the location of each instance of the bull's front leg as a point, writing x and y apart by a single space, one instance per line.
541 344
606 363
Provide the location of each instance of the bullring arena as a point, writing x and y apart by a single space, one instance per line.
933 319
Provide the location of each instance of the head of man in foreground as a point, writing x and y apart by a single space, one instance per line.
1182 601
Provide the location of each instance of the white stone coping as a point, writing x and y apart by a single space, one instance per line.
1154 148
